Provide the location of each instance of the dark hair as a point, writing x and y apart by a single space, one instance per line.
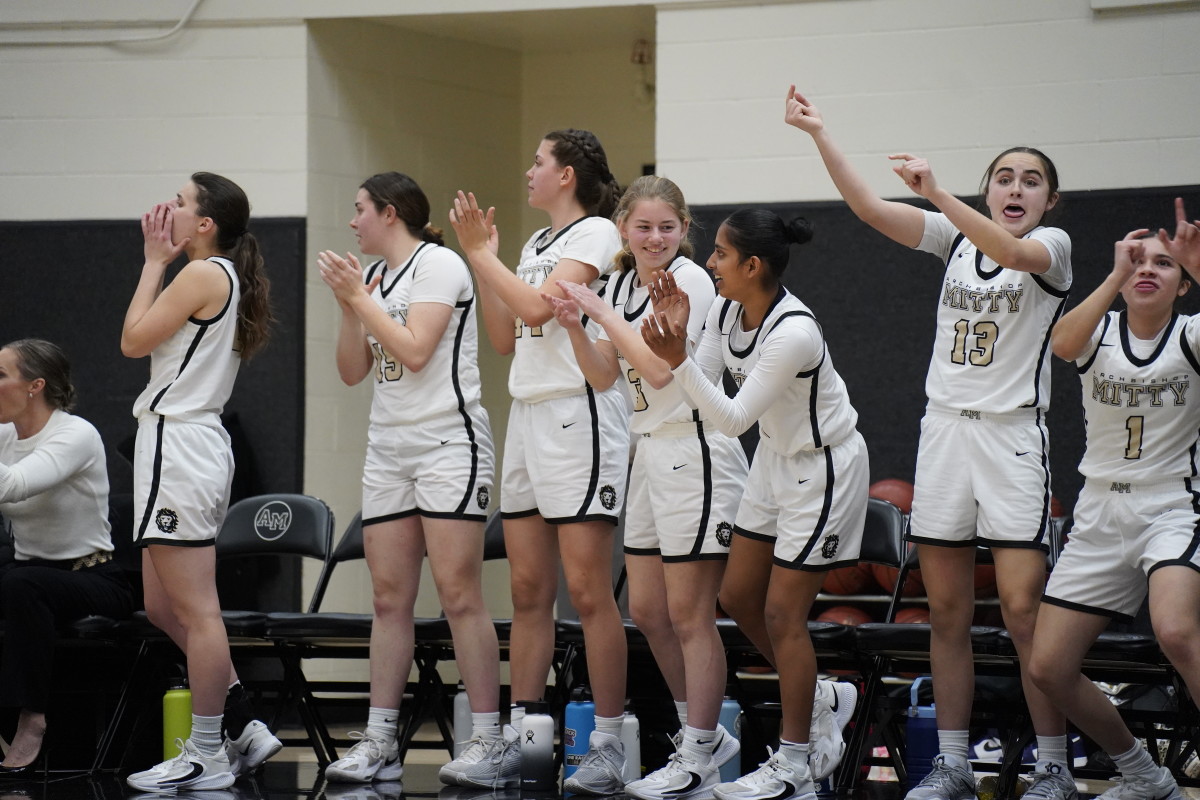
1051 177
652 187
759 232
595 187
37 358
402 193
226 204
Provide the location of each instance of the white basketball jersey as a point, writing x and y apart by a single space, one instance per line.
654 407
192 372
544 364
1140 426
991 351
449 382
814 411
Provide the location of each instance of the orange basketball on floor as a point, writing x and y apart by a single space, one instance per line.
886 576
1056 508
848 580
844 615
897 492
985 580
912 614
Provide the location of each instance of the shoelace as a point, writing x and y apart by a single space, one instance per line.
766 770
366 742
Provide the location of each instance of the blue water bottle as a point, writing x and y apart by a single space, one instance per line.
579 720
731 721
921 740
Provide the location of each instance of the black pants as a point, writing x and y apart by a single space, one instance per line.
35 600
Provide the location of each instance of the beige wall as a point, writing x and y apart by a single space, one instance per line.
1111 97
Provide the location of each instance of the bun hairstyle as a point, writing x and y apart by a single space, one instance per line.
652 187
595 187
1051 174
37 358
402 193
762 233
226 204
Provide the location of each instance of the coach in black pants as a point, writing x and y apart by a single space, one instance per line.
54 498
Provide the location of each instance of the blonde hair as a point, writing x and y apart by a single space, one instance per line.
652 187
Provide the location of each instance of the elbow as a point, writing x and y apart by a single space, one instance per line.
1063 347
659 382
538 318
132 349
416 363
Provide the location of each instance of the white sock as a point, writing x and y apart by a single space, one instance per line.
797 755
953 745
698 743
516 716
206 734
485 725
383 723
1135 761
681 711
609 725
1052 749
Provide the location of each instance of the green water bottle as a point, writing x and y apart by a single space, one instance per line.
177 717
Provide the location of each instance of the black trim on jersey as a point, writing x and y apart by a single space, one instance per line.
1186 347
958 239
541 248
1042 353
814 376
1044 522
1123 330
822 521
384 291
1099 612
706 510
738 315
469 493
229 277
155 480
1087 365
594 480
191 351
1047 288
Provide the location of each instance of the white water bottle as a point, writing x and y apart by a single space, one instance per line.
537 750
463 722
631 741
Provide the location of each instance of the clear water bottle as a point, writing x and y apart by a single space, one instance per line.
176 717
731 721
538 773
920 733
579 720
463 724
631 741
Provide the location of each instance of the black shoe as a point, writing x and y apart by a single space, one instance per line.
34 769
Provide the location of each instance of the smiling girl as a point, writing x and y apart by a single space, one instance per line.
983 475
1136 517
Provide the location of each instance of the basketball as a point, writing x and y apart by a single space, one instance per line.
912 614
848 580
844 615
886 576
1056 508
897 492
985 580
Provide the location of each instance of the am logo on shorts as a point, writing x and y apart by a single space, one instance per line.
608 497
166 520
272 520
481 497
830 545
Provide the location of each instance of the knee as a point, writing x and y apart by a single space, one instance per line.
738 606
390 603
1020 618
1178 640
461 602
691 622
1047 673
650 618
591 598
531 594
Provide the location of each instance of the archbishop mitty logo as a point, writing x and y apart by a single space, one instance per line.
608 497
830 545
481 497
272 520
724 534
166 520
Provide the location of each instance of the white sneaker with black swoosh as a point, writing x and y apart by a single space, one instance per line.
252 748
833 708
724 748
682 777
188 770
775 779
370 760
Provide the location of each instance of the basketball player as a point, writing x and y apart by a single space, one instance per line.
408 324
567 447
685 484
805 500
983 476
1136 518
197 330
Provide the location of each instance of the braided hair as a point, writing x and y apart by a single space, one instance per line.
595 187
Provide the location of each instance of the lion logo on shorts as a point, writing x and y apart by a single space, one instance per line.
608 497
724 534
830 545
482 497
166 520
